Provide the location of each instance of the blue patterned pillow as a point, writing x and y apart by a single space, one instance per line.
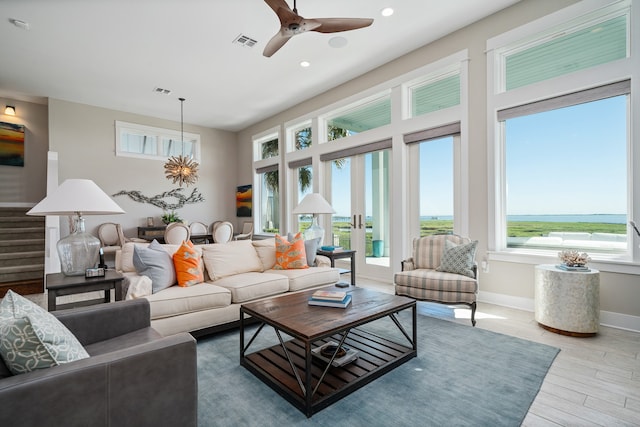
31 338
458 259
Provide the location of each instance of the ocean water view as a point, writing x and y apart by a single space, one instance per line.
598 218
591 218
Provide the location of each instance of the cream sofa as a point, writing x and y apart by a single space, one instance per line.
235 272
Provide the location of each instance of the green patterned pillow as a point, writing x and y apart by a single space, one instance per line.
458 259
31 338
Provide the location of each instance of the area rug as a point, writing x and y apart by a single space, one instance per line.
463 376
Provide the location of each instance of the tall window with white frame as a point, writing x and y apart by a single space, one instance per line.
436 186
566 177
563 135
268 185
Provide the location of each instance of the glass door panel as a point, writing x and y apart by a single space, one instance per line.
341 202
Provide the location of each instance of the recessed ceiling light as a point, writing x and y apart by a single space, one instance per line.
305 64
338 42
387 11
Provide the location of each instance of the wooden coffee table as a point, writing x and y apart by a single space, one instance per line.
310 384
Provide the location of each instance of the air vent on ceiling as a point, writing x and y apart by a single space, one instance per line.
161 91
245 41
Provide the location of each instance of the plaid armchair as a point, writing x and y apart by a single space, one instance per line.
441 269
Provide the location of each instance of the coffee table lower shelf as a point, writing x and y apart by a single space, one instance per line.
376 356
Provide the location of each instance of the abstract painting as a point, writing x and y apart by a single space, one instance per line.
11 144
243 201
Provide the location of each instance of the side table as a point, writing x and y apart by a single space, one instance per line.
58 285
567 302
347 253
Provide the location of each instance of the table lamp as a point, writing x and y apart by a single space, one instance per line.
79 250
314 203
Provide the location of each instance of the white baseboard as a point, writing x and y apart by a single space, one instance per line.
607 318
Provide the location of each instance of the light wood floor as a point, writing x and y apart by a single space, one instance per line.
592 382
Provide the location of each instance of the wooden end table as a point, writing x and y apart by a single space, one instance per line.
347 253
58 285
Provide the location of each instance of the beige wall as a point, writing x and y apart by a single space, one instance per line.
84 138
26 185
506 283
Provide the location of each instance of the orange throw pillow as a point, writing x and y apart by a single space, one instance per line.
290 255
188 264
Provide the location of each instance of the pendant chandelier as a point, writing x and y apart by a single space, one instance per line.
181 169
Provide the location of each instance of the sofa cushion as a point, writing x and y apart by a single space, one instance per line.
188 265
125 263
458 259
290 254
266 250
227 259
176 300
310 248
307 278
249 286
155 263
31 338
423 280
427 250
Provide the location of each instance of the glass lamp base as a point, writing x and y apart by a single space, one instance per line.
78 251
314 231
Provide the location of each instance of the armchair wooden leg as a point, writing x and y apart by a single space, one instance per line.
473 313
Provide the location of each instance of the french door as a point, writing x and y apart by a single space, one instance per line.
360 196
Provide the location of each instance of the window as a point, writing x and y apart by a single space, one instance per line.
302 138
361 117
267 182
435 94
566 177
562 150
269 148
435 162
269 214
583 45
133 140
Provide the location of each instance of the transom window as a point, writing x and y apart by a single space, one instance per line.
134 140
363 116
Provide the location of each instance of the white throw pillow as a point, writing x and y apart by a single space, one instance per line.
32 338
227 259
266 250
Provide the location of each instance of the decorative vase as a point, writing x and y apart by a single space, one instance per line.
78 251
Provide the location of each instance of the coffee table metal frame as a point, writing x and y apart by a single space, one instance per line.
289 367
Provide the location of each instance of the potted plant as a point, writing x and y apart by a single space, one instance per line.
170 217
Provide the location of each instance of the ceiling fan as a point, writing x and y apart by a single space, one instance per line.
292 24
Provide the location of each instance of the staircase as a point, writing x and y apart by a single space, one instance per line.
22 240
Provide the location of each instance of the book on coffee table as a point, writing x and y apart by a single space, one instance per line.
331 303
330 295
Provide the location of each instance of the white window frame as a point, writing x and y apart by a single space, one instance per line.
158 134
260 163
497 99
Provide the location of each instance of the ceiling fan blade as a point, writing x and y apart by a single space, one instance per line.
335 25
278 4
276 43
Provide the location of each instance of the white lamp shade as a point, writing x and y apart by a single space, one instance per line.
313 203
77 196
